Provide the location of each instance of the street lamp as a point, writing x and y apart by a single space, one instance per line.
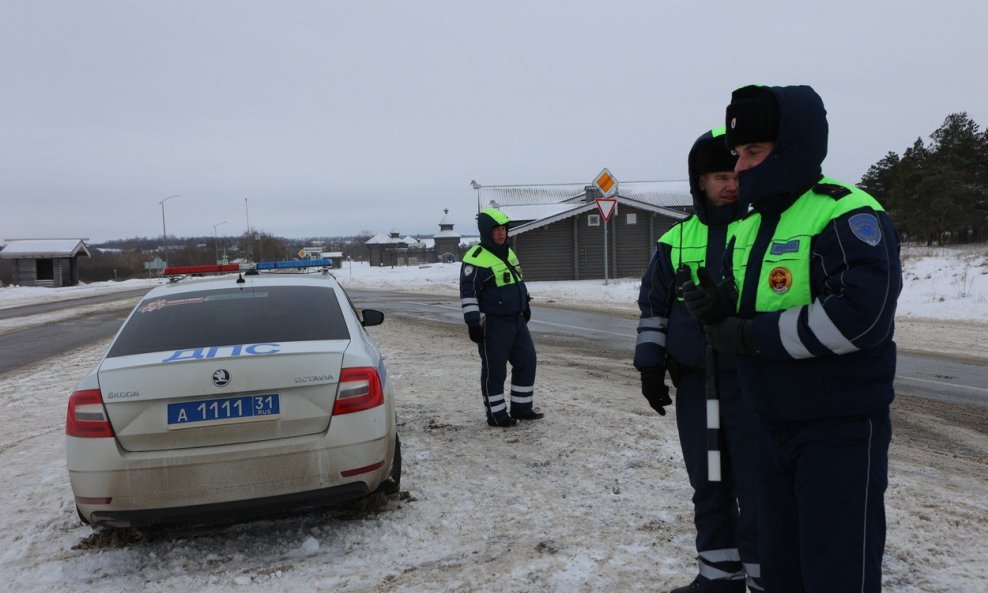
164 234
216 242
476 186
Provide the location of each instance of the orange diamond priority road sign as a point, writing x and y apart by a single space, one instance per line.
606 183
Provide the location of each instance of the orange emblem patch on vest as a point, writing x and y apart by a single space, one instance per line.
779 280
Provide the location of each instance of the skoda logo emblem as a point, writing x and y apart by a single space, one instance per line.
221 377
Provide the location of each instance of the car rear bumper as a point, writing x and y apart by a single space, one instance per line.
226 511
116 487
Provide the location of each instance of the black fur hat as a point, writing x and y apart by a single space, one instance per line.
752 116
714 156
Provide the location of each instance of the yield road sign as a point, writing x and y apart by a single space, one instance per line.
606 207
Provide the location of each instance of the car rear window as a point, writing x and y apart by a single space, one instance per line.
232 316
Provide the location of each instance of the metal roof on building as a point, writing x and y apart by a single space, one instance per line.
660 194
573 210
528 212
446 232
44 248
535 206
499 196
382 239
423 243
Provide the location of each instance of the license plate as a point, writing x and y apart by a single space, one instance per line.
227 410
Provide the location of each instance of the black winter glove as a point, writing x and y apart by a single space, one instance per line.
675 370
476 333
656 391
732 336
706 303
527 313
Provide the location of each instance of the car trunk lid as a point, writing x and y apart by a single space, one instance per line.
221 395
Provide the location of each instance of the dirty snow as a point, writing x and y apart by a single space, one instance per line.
593 498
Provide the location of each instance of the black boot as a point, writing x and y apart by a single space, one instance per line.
698 586
695 587
503 421
530 415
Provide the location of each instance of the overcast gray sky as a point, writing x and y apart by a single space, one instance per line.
330 118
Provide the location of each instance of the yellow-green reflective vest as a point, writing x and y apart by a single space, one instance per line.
688 247
784 277
503 276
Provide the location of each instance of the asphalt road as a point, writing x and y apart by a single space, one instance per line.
28 346
927 376
40 308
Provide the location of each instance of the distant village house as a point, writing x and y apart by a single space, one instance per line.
44 262
558 230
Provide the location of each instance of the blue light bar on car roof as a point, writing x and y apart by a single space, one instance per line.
299 263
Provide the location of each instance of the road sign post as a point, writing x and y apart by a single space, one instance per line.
157 265
608 186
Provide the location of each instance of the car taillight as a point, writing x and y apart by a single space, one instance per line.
359 389
87 416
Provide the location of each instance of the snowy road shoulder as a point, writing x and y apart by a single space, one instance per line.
593 498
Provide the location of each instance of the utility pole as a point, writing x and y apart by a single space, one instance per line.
164 233
249 239
216 242
476 186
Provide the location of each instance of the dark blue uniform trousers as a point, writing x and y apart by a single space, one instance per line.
725 511
506 339
822 511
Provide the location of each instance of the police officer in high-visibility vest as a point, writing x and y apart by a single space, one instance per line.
816 266
670 338
496 310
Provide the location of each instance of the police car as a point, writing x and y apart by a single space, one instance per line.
245 393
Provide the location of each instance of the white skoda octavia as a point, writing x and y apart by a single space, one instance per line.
238 394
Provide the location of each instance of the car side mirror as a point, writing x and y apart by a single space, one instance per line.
371 317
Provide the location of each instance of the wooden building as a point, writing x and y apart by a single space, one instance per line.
45 262
447 241
383 249
335 256
558 230
446 246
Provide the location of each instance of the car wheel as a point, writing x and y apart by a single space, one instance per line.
391 486
81 516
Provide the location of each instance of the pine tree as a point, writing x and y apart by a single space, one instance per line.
960 151
939 192
903 192
878 180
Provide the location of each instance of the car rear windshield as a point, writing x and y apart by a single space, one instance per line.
232 316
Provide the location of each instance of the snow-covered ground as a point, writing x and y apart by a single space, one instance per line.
593 498
949 283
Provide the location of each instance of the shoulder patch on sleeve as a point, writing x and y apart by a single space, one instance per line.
831 189
467 270
865 226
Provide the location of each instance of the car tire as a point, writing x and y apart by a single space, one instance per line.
81 516
391 486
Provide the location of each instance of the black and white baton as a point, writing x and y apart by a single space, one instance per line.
712 392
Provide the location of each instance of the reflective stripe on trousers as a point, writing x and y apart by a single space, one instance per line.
507 340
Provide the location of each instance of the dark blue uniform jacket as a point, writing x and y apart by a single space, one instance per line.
854 288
